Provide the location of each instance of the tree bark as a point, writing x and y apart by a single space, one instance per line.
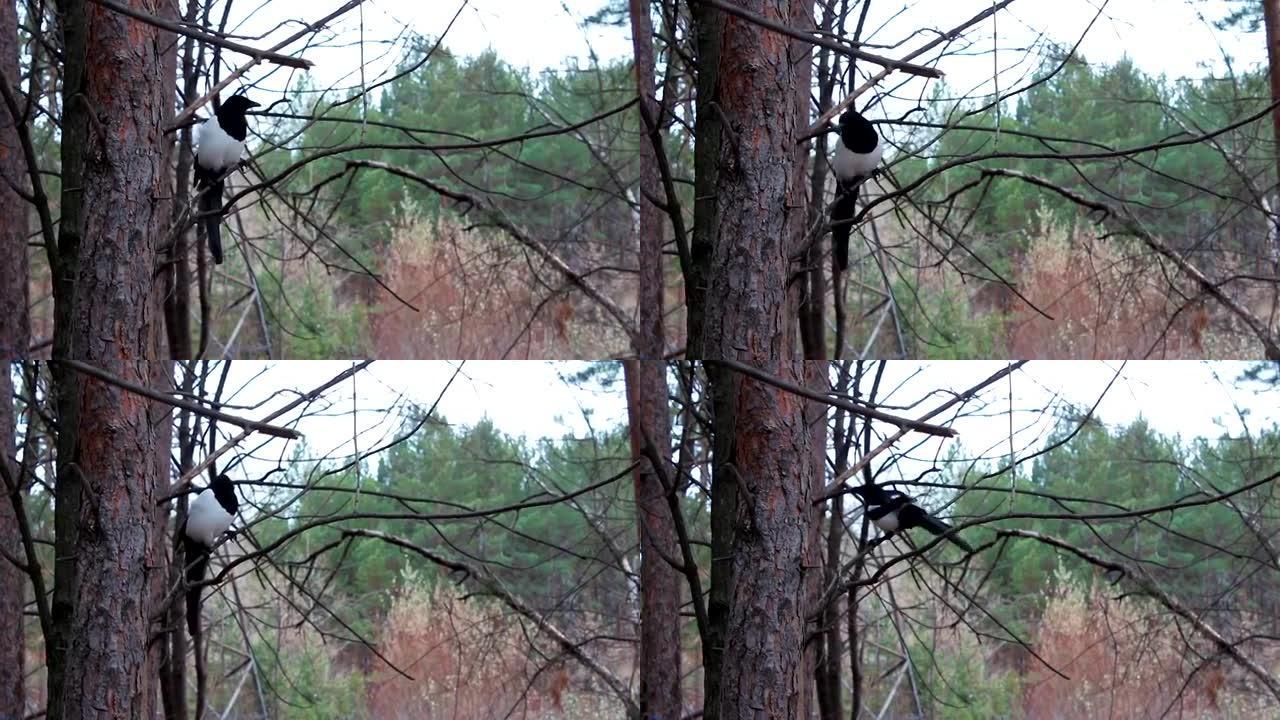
15 331
761 464
659 582
815 414
748 290
649 330
177 298
708 26
648 414
114 101
106 313
722 386
106 538
1271 21
13 582
769 463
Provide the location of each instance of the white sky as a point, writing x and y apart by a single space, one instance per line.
1174 37
534 399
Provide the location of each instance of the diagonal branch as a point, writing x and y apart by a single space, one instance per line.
810 37
202 36
858 409
180 486
820 125
837 486
248 426
185 116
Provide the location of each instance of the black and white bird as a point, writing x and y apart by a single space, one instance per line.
219 145
208 519
857 155
893 511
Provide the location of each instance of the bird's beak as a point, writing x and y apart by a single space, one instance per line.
254 104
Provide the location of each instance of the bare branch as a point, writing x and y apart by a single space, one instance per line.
255 53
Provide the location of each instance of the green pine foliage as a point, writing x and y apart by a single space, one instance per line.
451 105
1179 192
544 554
1128 468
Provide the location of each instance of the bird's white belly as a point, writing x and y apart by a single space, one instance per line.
216 149
888 523
848 164
206 520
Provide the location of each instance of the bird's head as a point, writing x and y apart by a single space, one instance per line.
869 494
238 104
225 490
856 132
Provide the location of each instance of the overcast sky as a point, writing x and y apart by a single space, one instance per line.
1173 37
536 400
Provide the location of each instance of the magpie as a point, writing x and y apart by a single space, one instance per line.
857 155
208 518
220 143
893 511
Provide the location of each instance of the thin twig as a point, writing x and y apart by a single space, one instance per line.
202 36
810 37
247 425
852 407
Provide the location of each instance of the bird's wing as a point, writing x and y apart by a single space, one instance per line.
916 516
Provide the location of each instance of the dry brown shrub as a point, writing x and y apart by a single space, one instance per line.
470 659
1126 659
479 295
1110 298
1107 299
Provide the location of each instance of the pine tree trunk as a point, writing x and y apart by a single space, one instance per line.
659 582
1271 20
12 581
650 300
106 313
770 463
708 27
106 541
751 308
761 463
15 333
115 98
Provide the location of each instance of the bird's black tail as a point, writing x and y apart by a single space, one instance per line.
937 527
210 205
197 559
842 212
